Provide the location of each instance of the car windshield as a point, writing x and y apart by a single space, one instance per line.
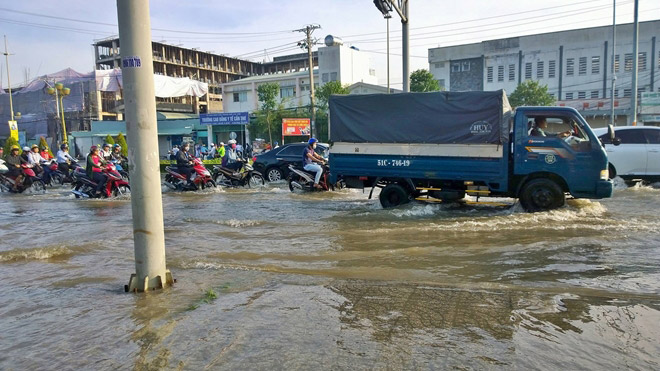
322 150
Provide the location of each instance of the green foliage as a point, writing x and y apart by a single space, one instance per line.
44 144
268 93
423 81
209 297
324 92
109 139
11 142
531 93
122 142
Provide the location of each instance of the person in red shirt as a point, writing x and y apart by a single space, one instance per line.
94 169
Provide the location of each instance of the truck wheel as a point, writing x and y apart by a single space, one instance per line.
541 195
393 195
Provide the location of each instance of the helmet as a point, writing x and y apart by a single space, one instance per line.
34 146
26 149
117 145
312 141
222 143
64 145
14 147
93 148
106 145
232 141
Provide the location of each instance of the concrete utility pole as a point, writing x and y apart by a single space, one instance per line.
387 18
11 103
613 54
140 102
403 8
633 100
308 43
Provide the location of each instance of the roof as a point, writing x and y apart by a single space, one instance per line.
165 127
271 77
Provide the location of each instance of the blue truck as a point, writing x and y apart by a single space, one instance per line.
443 146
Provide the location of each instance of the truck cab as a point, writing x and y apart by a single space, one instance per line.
554 150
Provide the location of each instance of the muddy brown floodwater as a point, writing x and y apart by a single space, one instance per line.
332 281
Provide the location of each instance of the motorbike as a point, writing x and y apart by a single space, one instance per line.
83 186
300 179
58 176
47 175
30 180
120 169
226 177
200 178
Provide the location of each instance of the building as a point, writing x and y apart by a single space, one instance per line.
336 62
204 66
574 64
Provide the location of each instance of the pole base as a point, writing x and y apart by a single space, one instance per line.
134 285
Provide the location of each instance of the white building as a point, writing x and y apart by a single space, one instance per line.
574 64
336 63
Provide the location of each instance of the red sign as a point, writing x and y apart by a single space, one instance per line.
296 127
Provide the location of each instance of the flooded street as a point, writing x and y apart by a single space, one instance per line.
268 279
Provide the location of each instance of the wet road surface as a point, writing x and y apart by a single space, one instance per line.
332 281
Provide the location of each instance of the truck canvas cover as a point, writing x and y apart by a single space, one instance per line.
480 117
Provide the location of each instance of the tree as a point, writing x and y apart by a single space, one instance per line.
531 93
324 92
109 139
423 81
268 93
122 142
43 144
11 141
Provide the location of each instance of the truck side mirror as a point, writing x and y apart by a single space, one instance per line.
616 141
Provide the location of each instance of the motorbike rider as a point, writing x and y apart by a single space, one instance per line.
64 159
14 162
311 161
106 152
116 155
34 159
26 151
94 169
231 160
45 161
184 161
221 150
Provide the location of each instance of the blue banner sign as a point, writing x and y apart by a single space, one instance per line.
225 118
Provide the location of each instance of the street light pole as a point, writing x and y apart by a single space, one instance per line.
140 102
405 44
308 43
11 103
633 101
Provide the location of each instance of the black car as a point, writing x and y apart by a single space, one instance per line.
274 164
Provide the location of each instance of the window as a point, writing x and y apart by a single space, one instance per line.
595 65
489 74
570 66
466 66
594 94
500 73
240 97
616 93
333 77
324 77
455 67
553 126
539 69
582 68
616 63
639 92
551 69
582 95
627 93
512 72
628 62
287 92
634 136
528 70
291 151
652 136
569 96
441 82
439 65
641 62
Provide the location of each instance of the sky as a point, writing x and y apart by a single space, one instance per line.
48 36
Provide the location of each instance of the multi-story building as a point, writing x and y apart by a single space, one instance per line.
336 62
574 64
214 69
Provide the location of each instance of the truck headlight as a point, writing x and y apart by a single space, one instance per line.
604 174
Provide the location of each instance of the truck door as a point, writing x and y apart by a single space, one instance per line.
555 142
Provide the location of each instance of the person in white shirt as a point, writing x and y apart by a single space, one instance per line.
64 159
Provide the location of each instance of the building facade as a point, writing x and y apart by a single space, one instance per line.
574 64
335 63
